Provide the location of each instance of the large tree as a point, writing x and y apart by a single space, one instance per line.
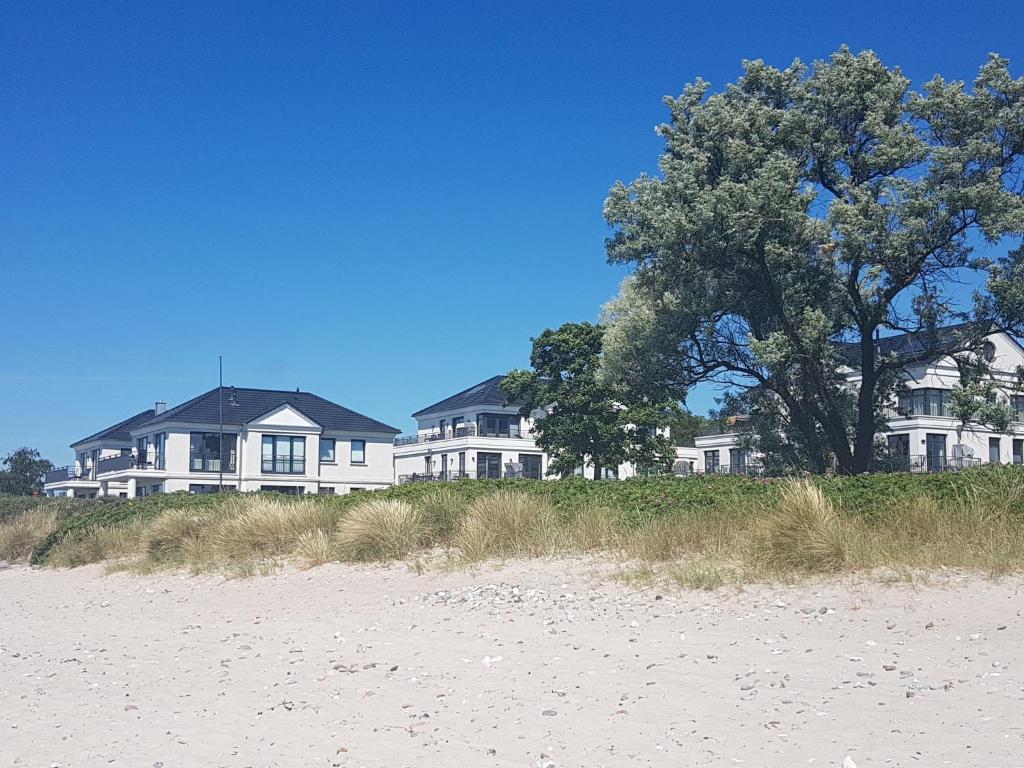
799 213
588 420
23 471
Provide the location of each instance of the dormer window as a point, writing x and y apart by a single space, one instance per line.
988 351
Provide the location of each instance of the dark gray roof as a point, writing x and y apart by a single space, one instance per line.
923 346
243 405
487 392
120 431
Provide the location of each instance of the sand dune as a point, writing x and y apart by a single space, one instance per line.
535 664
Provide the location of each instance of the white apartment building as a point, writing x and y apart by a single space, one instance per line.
475 434
922 434
233 439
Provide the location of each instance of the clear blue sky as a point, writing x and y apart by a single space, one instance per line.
377 202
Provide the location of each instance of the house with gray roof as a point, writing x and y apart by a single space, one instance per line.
233 438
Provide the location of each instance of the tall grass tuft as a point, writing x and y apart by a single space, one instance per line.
381 530
97 544
254 527
314 548
803 532
507 524
441 510
21 534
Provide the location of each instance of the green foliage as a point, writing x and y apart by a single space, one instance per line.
23 471
796 213
588 420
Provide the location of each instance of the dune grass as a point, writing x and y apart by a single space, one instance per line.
791 530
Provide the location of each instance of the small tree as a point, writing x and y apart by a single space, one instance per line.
588 421
978 401
23 471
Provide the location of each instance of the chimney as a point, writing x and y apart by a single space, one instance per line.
159 407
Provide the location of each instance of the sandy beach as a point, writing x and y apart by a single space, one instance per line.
544 664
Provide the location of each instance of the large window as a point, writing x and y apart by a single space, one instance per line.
994 450
160 450
497 424
327 450
283 454
1017 402
531 465
712 460
1018 451
925 402
206 454
488 465
358 451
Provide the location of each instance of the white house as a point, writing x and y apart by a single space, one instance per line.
233 439
472 434
922 435
477 434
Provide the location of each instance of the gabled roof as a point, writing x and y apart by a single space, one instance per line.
912 347
242 405
487 392
120 431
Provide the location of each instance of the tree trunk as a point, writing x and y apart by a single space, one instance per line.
864 439
597 469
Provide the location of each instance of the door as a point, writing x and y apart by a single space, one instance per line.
444 466
935 452
462 464
899 452
488 465
531 465
994 450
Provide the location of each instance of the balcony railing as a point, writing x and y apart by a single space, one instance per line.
70 472
443 477
449 433
128 461
923 463
748 470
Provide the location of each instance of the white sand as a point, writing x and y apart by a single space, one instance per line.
369 667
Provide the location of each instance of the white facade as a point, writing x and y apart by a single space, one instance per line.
281 450
482 437
488 440
922 435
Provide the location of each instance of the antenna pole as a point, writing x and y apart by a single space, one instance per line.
220 414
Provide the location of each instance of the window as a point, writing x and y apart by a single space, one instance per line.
327 450
160 450
458 426
488 465
1017 403
988 351
1018 451
142 451
283 454
497 425
207 488
899 444
925 402
358 452
531 465
712 461
287 490
326 490
206 453
462 463
993 450
355 489
738 459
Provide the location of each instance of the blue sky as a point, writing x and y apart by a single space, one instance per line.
377 202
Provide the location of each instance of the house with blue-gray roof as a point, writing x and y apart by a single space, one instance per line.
233 438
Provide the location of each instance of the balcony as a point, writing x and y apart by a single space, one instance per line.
747 470
447 477
463 430
63 474
128 461
923 464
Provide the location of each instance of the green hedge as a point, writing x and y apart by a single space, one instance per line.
638 499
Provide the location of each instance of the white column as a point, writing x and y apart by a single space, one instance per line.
131 487
102 489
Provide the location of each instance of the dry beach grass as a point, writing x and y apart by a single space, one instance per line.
796 533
